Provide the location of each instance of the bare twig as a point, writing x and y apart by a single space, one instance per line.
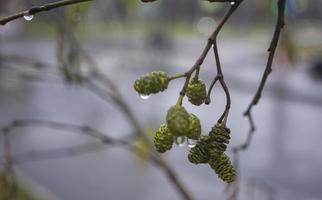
22 60
85 130
102 137
271 50
58 153
220 77
204 53
37 9
69 151
278 28
268 70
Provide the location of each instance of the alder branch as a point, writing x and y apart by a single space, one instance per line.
278 28
220 77
212 39
273 45
38 9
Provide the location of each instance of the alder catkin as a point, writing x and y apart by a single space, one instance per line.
178 120
163 139
196 91
152 83
194 127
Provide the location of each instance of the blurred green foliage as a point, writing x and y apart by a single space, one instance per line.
19 193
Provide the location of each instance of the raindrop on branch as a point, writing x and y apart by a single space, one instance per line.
180 141
28 17
192 143
145 97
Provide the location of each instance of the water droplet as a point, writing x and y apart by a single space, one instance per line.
192 143
145 97
28 17
180 141
232 3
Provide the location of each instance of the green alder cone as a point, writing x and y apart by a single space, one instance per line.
220 136
178 120
199 154
152 83
194 127
196 91
223 168
163 139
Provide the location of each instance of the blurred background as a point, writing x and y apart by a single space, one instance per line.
127 38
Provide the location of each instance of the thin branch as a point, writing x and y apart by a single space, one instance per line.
103 138
220 77
274 42
271 50
38 155
204 53
213 83
37 9
86 130
22 60
278 28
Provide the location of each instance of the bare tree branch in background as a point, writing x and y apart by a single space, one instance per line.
37 9
77 150
110 93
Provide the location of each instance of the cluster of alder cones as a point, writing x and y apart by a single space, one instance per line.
208 149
